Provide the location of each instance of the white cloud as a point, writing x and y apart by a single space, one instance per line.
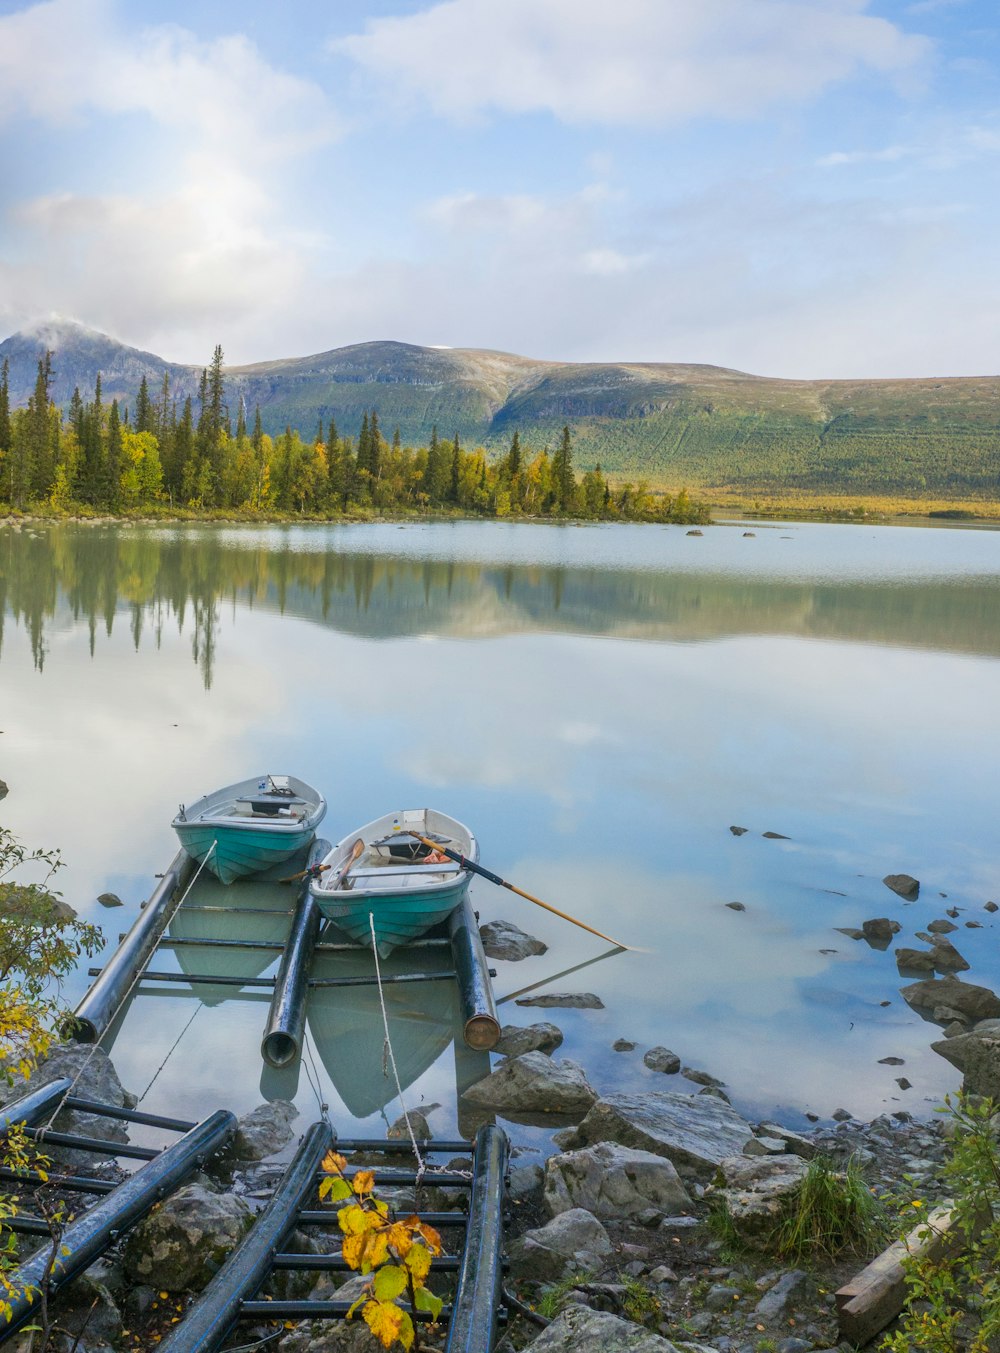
887 155
196 238
636 62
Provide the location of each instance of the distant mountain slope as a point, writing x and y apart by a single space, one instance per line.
669 423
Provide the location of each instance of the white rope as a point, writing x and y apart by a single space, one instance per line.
313 1077
387 1051
121 1004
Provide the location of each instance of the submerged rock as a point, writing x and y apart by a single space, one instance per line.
903 885
662 1059
534 1083
965 997
880 928
566 1000
613 1181
695 1132
264 1130
110 900
503 939
515 1040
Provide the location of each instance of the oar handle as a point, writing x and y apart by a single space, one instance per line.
502 883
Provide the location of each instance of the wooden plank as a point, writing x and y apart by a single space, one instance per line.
876 1295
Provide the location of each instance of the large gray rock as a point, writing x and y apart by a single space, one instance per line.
965 997
534 1083
903 885
977 1056
515 1040
880 928
572 1240
264 1130
662 1059
914 960
790 1289
183 1242
695 1132
503 939
758 1191
946 956
578 1329
613 1181
95 1077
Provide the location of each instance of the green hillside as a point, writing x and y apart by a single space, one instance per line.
710 428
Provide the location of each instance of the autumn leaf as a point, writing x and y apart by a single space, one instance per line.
335 1189
418 1261
355 1221
424 1300
385 1321
334 1163
428 1235
390 1282
400 1238
363 1182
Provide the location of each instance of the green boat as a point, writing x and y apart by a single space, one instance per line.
384 876
250 826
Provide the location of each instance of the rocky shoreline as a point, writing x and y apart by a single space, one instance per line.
613 1241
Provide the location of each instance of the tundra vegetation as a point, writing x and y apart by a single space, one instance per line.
166 454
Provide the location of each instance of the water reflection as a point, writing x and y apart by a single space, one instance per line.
601 706
145 579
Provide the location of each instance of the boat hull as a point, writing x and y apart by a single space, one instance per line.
239 851
253 825
399 918
372 878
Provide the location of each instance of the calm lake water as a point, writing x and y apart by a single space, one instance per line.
601 704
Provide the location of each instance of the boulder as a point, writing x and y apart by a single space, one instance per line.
515 1040
418 1125
903 885
695 1132
613 1181
915 960
947 958
758 1191
623 1045
965 997
880 928
565 1000
977 1056
578 1329
942 927
572 1240
182 1243
702 1077
110 900
794 1142
95 1077
662 1059
503 939
739 831
534 1083
264 1130
775 1305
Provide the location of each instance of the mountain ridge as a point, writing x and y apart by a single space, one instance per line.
705 425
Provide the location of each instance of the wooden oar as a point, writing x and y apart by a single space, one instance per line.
357 850
502 883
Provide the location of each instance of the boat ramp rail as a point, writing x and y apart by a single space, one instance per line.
474 1253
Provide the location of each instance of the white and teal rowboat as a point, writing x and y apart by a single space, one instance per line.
382 872
252 825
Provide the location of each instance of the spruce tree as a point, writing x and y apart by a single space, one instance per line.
241 420
257 440
144 414
564 481
5 408
113 460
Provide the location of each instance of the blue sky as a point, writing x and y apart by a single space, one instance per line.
799 188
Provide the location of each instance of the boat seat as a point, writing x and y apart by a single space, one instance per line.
381 872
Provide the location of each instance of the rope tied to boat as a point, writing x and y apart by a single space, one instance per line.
387 1052
60 1102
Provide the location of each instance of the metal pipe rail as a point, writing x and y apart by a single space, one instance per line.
231 1296
481 1028
86 1239
281 1041
108 994
225 980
